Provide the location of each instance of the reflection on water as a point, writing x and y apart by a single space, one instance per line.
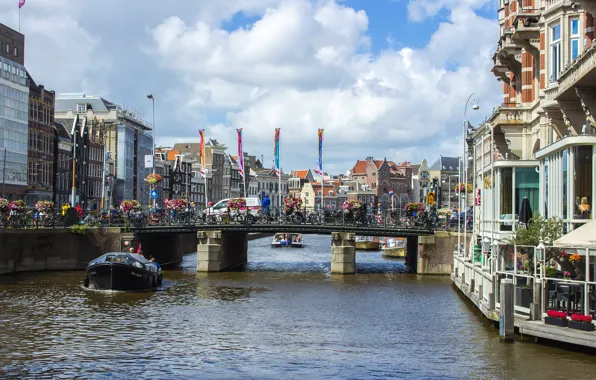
286 316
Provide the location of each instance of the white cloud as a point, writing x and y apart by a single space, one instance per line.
298 65
418 10
304 66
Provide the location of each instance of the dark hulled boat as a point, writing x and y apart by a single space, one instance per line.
123 271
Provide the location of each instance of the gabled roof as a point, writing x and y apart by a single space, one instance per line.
68 102
62 131
359 167
302 174
446 164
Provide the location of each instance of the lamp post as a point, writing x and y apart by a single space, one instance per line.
152 98
474 99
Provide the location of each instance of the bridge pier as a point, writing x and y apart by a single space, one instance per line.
221 250
343 252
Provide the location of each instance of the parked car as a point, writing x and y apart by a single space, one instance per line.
221 208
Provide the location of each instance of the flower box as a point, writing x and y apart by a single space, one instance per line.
581 326
556 321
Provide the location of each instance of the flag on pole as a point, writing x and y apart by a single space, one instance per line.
240 154
202 152
319 168
276 151
390 192
21 3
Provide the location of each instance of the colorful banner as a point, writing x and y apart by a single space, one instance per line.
21 3
319 169
276 151
202 152
240 153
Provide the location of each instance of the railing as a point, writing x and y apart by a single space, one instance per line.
390 219
549 4
583 64
513 113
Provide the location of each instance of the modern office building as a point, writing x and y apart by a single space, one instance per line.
14 111
128 140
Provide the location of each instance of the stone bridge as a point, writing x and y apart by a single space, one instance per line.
222 247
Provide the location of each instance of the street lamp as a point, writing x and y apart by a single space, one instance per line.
474 99
152 98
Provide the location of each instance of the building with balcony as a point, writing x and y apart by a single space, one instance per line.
540 143
128 139
14 115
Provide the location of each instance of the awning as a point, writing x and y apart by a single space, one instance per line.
584 236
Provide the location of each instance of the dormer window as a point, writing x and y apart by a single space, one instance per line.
81 107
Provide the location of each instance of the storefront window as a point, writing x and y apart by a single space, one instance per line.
526 186
583 181
565 216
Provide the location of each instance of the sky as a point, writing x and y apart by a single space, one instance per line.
384 78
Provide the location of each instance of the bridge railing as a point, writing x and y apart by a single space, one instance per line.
31 219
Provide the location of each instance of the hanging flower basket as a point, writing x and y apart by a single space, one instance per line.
237 204
353 207
4 206
46 207
176 205
488 182
128 206
291 204
18 207
413 208
153 178
464 187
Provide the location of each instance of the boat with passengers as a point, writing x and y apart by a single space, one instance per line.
123 271
293 240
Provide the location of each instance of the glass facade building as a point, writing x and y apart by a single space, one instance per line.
14 135
144 147
125 163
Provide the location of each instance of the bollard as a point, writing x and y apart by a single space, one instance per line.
506 322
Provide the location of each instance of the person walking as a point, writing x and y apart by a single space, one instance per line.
266 204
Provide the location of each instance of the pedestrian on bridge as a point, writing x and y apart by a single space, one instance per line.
266 204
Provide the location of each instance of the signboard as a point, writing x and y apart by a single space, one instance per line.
148 161
154 194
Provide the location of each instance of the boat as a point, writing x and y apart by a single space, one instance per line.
394 248
367 243
287 240
123 271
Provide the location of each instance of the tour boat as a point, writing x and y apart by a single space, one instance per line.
287 240
394 248
123 271
367 243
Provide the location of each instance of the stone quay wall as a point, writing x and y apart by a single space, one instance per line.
54 249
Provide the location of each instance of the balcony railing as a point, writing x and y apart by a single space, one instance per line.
512 113
584 63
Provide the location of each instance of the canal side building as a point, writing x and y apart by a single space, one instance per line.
62 164
41 144
14 112
128 139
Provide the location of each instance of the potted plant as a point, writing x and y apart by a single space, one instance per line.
292 204
413 208
556 318
581 322
4 206
353 208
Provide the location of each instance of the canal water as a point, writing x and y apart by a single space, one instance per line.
285 317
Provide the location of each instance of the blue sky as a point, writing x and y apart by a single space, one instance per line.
387 78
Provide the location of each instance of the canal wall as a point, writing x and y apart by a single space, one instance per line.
54 249
435 253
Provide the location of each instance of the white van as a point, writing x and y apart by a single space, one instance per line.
252 204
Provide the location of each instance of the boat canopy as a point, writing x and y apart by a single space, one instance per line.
122 257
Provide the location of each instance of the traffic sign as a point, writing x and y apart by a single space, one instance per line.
154 194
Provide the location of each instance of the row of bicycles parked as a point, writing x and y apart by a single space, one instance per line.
131 214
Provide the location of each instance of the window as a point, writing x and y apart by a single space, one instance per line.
574 38
16 52
526 186
583 178
555 52
81 108
8 48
